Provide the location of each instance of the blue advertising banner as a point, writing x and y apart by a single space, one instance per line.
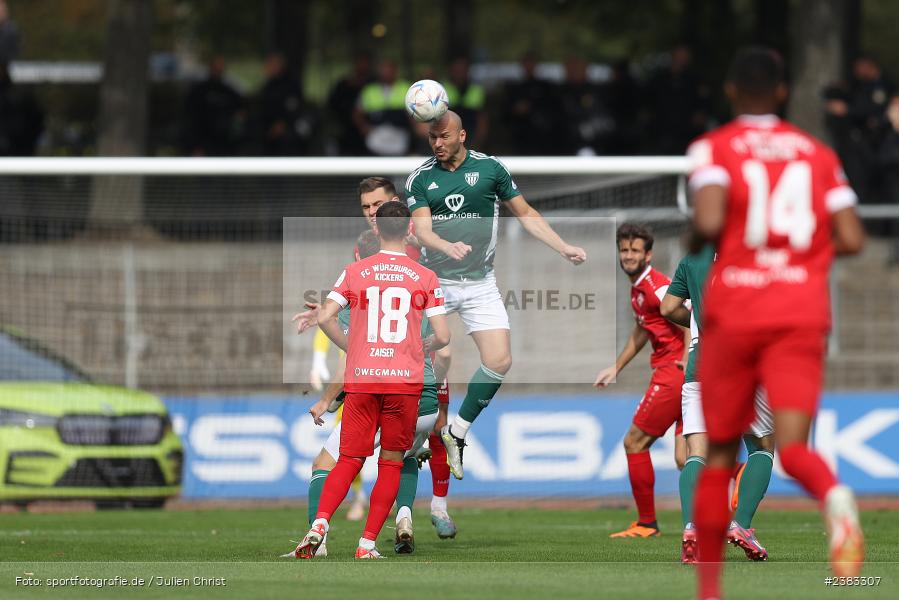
523 446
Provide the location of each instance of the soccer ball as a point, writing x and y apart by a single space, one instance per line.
426 100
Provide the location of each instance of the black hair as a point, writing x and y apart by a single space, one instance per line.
392 220
630 231
756 71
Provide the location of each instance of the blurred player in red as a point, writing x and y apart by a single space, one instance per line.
389 294
776 201
661 405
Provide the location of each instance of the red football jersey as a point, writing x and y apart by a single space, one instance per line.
389 294
667 339
775 250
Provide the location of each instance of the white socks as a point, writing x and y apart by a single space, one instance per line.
323 522
403 513
438 504
459 428
366 544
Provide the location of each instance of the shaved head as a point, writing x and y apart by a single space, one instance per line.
449 120
447 139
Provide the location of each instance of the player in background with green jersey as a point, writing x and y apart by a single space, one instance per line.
682 304
455 200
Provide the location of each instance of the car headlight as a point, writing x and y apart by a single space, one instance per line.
29 420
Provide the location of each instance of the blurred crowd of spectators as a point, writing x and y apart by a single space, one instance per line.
623 112
862 117
21 118
364 113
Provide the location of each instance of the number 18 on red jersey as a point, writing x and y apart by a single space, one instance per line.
388 294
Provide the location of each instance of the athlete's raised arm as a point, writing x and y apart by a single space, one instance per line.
534 223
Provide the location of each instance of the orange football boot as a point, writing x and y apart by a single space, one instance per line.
635 530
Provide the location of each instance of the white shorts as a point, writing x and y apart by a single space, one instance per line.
691 411
423 428
478 302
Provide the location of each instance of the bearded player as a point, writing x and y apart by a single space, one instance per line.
777 204
455 198
374 192
660 407
389 295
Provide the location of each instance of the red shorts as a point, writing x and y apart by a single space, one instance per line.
363 414
788 363
660 406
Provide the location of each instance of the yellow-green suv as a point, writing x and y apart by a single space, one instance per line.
62 436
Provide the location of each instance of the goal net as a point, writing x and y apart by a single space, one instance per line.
180 277
168 275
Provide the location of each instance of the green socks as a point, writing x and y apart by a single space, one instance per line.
316 484
687 484
753 484
481 390
408 483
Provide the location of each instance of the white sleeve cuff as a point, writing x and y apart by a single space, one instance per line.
709 175
839 198
660 293
338 298
435 310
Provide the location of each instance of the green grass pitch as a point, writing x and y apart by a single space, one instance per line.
521 554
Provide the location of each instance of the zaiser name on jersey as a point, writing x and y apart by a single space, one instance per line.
389 295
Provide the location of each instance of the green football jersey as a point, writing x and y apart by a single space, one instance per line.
428 403
464 208
688 282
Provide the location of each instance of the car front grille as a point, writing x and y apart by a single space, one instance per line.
99 430
113 472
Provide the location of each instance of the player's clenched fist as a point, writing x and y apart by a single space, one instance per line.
573 254
457 250
605 377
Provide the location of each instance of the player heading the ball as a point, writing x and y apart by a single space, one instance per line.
455 199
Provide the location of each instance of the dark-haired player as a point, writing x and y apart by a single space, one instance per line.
661 404
373 192
389 295
777 203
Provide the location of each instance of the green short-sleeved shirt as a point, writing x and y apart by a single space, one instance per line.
428 403
464 208
688 282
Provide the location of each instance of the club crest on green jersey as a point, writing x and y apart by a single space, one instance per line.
472 178
454 201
